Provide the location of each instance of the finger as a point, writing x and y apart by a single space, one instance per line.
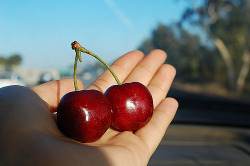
153 132
161 82
122 67
146 69
51 92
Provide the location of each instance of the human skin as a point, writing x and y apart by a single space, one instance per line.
30 136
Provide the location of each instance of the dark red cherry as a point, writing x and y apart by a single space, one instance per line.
84 115
132 106
131 103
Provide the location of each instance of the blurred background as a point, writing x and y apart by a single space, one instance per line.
207 41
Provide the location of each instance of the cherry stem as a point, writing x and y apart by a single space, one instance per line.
78 48
78 57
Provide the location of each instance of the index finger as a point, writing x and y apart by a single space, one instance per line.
122 67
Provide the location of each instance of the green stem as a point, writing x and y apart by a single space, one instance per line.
78 56
82 49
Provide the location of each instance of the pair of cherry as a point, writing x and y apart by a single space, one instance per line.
86 115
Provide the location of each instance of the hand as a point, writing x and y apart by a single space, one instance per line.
29 135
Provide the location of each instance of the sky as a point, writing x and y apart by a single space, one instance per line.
42 31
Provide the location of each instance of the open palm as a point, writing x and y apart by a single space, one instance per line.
51 147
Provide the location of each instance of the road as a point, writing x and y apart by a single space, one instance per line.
205 109
206 131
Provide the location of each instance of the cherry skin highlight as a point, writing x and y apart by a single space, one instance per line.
132 106
84 115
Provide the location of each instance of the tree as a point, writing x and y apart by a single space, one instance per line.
15 59
9 62
227 24
226 27
2 60
185 52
